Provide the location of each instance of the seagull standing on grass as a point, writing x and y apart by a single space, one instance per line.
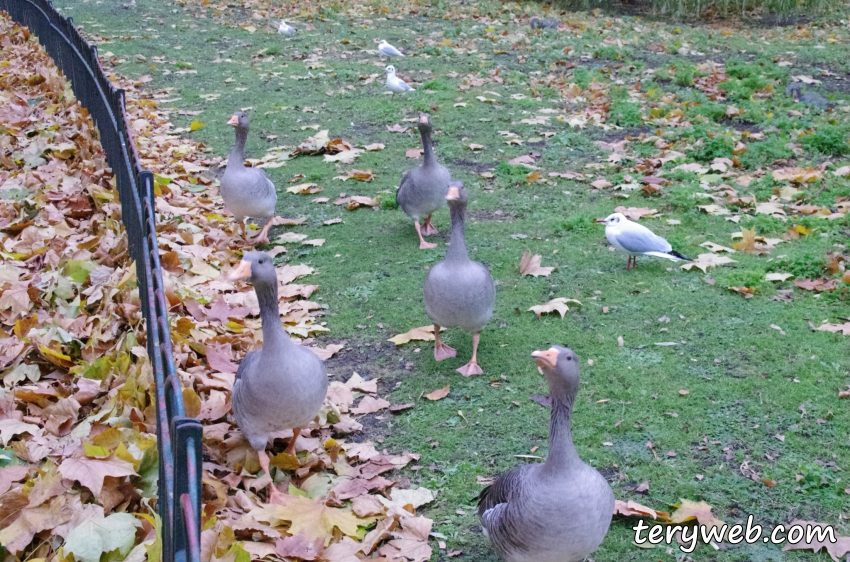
636 239
395 84
386 49
285 29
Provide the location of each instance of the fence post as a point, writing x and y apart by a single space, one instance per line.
179 439
187 440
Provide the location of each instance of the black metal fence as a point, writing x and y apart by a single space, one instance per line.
179 438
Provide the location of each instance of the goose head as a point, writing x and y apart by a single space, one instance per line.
390 69
457 194
559 365
239 120
257 267
424 122
613 219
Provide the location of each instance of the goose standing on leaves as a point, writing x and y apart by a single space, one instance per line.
280 386
459 292
636 239
247 192
557 511
395 84
386 49
285 29
423 189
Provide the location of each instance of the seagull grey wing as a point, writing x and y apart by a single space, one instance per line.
391 51
642 241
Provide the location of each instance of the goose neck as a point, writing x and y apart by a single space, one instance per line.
457 242
237 155
562 452
273 332
427 148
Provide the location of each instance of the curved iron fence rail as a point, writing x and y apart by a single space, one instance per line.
178 437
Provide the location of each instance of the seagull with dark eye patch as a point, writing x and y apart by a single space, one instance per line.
635 239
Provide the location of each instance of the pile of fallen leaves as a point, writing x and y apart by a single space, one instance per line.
78 472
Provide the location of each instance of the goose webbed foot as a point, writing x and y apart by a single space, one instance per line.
275 495
471 368
428 228
423 245
441 350
263 236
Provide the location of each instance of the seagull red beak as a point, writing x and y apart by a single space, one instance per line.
600 221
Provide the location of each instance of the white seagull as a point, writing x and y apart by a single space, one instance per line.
395 84
636 239
386 49
285 29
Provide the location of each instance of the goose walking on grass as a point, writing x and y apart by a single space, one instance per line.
459 292
395 84
636 239
423 189
247 192
280 386
388 50
557 511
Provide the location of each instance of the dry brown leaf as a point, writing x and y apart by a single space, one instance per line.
704 261
633 509
530 265
836 550
636 213
313 519
558 305
423 333
699 511
438 394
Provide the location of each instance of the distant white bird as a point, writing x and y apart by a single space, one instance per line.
285 29
395 84
636 239
388 50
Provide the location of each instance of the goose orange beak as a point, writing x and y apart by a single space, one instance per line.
600 221
423 119
242 271
546 359
453 194
233 121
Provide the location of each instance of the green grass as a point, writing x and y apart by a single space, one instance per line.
746 380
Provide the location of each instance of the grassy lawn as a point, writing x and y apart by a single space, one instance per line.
762 400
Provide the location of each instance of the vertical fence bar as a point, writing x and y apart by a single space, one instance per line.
179 439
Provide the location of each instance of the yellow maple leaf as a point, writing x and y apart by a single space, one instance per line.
423 333
312 518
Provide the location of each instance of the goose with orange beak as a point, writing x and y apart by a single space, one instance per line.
559 510
281 385
423 189
459 292
247 192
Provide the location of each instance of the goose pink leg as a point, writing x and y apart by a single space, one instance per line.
428 228
423 245
441 350
290 449
472 368
275 496
263 236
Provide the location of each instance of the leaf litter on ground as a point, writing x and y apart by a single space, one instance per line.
73 313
